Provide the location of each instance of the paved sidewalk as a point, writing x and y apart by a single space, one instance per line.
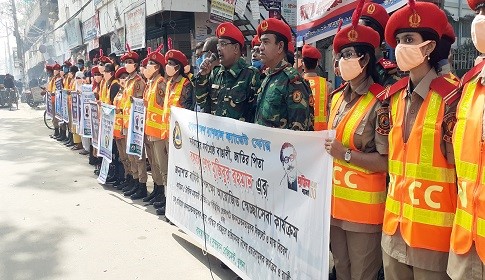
57 222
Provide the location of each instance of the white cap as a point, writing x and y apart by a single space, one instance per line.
79 74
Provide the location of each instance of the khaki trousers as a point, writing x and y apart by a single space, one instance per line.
357 255
139 167
121 145
154 150
468 266
395 270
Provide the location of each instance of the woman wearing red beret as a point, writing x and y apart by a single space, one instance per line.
360 155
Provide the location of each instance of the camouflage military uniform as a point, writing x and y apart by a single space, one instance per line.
387 76
229 92
285 100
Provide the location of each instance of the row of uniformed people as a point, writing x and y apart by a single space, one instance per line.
427 221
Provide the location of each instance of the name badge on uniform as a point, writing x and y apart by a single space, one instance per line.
215 86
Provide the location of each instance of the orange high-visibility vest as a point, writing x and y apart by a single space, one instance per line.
103 92
118 125
172 97
319 92
358 195
128 92
469 147
421 197
154 112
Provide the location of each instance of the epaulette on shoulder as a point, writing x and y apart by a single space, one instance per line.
292 74
448 90
472 73
387 64
377 90
341 87
393 89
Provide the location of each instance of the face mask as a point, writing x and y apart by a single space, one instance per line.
257 63
130 67
350 68
478 32
199 61
170 70
410 56
149 71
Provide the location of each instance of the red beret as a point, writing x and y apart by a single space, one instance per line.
255 41
144 62
67 63
449 33
227 30
120 71
356 35
130 55
48 67
274 26
105 59
476 4
56 66
177 55
310 52
95 70
415 17
376 13
157 57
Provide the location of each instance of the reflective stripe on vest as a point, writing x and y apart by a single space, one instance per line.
128 92
469 150
355 187
319 91
171 99
422 190
153 122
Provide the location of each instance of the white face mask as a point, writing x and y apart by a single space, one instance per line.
478 32
170 70
130 67
350 68
410 56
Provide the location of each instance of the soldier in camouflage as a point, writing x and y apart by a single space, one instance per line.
230 89
284 98
375 16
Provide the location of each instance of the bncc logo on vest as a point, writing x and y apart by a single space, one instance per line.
177 136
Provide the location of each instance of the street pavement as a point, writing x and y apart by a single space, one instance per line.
57 222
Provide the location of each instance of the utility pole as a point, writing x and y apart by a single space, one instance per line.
20 49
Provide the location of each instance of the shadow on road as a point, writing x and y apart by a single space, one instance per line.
31 255
208 260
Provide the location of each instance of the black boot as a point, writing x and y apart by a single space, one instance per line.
133 189
141 192
56 133
127 181
96 169
62 135
130 185
157 198
70 143
161 211
153 193
68 138
161 203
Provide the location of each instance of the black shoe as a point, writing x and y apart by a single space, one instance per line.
133 189
162 203
123 184
130 185
161 211
56 133
141 192
157 198
119 181
152 194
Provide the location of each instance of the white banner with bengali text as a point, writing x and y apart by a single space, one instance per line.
136 128
259 196
94 125
106 135
87 96
134 22
75 108
103 171
58 105
65 104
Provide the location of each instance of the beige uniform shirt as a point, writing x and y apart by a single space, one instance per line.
394 245
366 139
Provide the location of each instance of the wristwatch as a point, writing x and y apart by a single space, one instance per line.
348 155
